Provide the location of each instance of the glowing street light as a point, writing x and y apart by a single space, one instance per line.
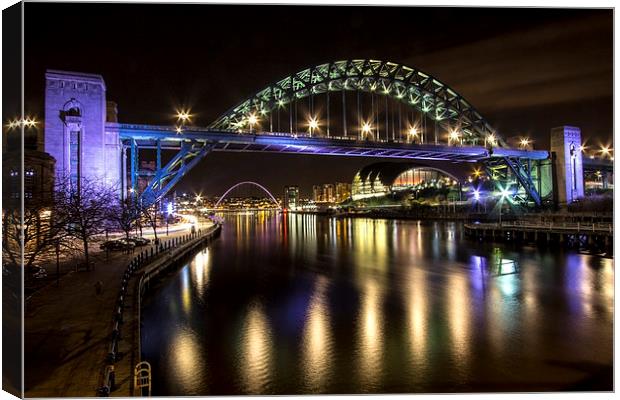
454 136
25 122
413 133
179 129
366 128
525 142
605 150
198 198
491 139
503 193
477 173
313 124
252 120
183 116
582 148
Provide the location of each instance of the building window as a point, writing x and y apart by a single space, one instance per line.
74 158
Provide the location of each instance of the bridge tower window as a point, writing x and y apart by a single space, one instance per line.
74 158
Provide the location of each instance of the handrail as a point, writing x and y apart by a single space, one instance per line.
565 226
134 265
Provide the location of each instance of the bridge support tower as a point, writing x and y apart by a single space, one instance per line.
567 164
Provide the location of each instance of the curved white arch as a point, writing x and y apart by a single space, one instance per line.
247 183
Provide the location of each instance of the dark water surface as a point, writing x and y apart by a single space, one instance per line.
305 304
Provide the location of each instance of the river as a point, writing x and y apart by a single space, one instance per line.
295 304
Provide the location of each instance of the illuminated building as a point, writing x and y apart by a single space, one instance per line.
380 179
291 197
343 191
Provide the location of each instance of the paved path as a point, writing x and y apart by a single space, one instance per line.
67 330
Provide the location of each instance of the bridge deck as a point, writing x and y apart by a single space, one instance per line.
146 136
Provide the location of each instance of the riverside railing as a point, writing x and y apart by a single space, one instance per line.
600 227
137 263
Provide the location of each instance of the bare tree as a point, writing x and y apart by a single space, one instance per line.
42 230
124 214
150 216
85 210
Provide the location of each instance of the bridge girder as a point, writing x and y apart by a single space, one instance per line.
406 84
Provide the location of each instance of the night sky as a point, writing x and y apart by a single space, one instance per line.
525 70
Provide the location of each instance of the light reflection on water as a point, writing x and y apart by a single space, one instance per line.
255 345
305 304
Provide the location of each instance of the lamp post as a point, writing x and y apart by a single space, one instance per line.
503 194
252 120
313 124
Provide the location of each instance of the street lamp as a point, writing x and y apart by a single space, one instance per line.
183 116
490 139
366 128
413 133
26 122
252 120
313 124
525 142
454 136
605 150
503 194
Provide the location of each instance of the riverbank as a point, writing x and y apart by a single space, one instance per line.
67 327
117 376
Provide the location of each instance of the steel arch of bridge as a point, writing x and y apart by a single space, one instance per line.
233 187
406 84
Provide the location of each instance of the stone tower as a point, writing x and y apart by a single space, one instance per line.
75 128
568 165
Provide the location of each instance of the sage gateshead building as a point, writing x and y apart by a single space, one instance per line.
381 179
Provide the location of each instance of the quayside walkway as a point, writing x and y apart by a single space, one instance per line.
67 329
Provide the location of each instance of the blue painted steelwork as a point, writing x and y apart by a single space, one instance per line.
190 153
524 177
194 143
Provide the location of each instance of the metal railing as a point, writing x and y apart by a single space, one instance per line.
600 227
137 263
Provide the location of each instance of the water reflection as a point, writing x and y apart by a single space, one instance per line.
287 304
370 338
256 344
185 354
317 341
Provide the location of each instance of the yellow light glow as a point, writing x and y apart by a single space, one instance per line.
366 127
183 115
525 142
477 172
413 131
582 148
491 138
179 129
313 123
252 119
454 135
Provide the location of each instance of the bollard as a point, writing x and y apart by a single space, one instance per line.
103 391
